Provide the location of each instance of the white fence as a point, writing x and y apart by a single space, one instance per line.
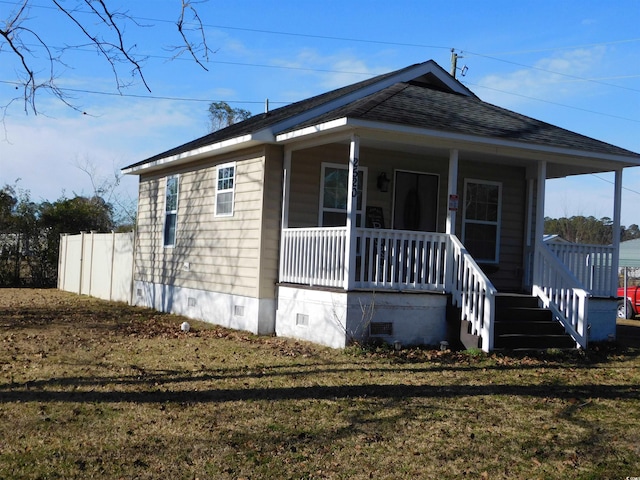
97 264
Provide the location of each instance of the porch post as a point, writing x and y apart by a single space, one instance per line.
527 281
352 207
452 192
284 219
617 206
286 185
539 229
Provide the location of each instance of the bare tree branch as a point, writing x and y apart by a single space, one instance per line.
105 32
189 46
109 50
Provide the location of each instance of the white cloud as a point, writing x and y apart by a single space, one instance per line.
549 78
44 151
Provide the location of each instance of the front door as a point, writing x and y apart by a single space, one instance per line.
415 201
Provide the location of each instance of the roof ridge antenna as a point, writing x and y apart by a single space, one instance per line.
454 64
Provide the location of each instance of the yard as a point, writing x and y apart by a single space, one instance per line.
90 389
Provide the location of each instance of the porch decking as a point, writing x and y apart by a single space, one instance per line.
393 260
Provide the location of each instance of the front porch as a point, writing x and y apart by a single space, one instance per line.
332 242
365 292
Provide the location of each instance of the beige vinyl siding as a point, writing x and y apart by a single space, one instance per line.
304 194
306 182
507 275
220 254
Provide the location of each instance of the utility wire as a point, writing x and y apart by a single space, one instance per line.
348 39
552 103
613 183
152 97
573 77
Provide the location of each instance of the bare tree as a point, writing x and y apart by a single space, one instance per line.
103 29
107 188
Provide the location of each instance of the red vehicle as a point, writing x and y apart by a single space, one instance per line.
632 301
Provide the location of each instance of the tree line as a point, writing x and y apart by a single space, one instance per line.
30 233
588 230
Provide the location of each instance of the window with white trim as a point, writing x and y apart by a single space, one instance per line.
171 210
334 189
225 189
481 221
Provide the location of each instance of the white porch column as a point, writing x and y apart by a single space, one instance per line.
286 186
352 207
284 218
539 229
528 238
617 207
452 190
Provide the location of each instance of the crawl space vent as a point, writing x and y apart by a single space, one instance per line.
302 319
238 310
381 328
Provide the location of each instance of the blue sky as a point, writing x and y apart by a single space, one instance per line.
575 64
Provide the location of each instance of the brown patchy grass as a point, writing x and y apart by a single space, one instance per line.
90 389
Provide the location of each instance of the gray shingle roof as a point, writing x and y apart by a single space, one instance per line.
428 105
265 120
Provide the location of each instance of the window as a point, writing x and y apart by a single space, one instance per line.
171 211
225 184
481 225
333 195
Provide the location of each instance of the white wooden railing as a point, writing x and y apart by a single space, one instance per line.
561 292
592 265
399 259
313 256
393 260
472 291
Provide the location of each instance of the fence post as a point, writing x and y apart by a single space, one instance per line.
93 233
81 262
113 254
62 261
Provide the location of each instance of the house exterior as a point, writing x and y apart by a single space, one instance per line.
379 210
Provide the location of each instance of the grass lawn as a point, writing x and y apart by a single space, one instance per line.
90 389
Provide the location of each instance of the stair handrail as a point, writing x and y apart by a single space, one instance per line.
561 292
471 291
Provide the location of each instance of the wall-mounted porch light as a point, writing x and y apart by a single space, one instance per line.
383 182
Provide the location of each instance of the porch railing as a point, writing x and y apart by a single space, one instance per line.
563 293
398 259
472 292
393 260
592 265
313 256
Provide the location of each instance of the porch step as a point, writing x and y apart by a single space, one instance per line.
521 324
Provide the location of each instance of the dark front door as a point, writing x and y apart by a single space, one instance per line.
415 202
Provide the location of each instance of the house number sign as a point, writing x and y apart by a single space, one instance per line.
354 192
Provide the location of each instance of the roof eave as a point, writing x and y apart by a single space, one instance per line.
458 140
225 146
